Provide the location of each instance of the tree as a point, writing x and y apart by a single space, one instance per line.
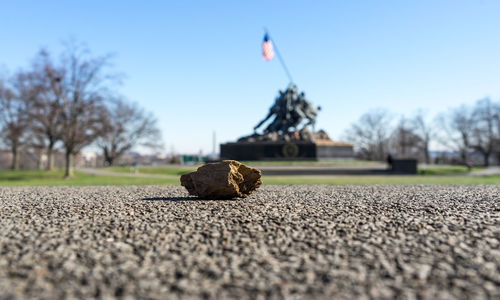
15 103
128 126
485 128
404 141
370 134
81 85
46 112
425 131
457 126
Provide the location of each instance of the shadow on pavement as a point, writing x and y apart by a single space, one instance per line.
175 199
172 199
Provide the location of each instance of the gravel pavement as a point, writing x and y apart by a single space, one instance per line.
294 242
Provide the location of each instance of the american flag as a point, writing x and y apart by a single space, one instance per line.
267 48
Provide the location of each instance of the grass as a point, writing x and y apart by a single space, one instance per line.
46 178
177 171
174 170
389 180
446 170
439 175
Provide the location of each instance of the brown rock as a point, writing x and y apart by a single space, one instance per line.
223 180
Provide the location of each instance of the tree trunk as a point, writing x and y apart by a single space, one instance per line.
380 154
15 158
463 155
108 159
69 165
486 157
40 156
427 155
50 157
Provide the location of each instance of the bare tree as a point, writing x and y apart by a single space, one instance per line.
457 128
425 131
370 134
81 86
35 148
485 128
404 141
46 112
128 127
14 106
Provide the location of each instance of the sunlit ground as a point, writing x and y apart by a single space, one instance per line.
170 176
38 177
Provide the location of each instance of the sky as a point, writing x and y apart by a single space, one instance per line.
197 65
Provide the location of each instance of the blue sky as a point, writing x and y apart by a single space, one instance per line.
198 66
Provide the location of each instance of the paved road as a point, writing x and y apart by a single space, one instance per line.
374 169
298 242
355 170
490 171
104 172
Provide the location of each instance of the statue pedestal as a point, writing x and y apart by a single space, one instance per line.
282 150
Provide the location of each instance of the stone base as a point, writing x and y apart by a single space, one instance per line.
281 150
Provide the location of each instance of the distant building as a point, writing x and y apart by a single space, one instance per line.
135 158
5 159
88 160
454 158
192 159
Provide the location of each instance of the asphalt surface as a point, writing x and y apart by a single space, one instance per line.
294 242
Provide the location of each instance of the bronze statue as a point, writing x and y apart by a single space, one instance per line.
289 110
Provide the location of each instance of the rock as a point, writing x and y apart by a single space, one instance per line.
223 180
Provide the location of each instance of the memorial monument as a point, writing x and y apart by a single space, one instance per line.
289 135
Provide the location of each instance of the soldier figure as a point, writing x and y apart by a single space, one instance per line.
307 110
274 110
289 109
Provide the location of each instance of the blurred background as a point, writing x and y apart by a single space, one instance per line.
123 83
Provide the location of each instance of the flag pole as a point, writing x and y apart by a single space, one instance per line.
279 55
